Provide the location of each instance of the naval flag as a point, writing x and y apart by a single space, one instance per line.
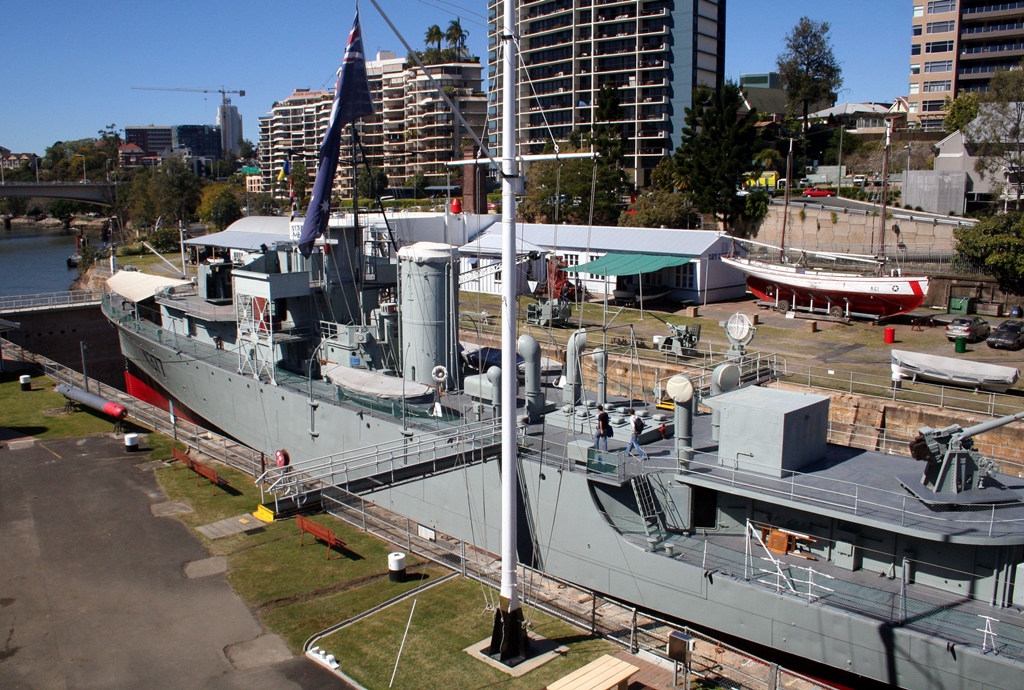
351 102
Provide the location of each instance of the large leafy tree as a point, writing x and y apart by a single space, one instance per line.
717 149
809 71
998 132
997 244
177 191
561 191
960 111
372 182
219 206
660 208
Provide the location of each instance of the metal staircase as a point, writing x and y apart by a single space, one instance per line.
648 509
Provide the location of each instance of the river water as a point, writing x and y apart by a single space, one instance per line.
34 261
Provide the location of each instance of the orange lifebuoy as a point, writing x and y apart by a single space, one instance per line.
282 458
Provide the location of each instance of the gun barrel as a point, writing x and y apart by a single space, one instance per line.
990 425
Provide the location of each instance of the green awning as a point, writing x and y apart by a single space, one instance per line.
628 264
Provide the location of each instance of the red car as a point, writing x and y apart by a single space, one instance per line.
814 191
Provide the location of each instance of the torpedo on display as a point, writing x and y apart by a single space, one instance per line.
103 405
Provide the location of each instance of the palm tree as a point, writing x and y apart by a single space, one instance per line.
456 35
434 35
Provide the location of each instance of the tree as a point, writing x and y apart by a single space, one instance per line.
659 208
300 182
716 151
998 132
809 71
559 191
434 36
456 35
246 150
417 182
960 112
997 243
372 182
177 191
219 206
851 145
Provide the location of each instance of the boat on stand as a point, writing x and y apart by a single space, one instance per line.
739 517
839 285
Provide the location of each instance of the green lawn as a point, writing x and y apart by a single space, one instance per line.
40 412
448 618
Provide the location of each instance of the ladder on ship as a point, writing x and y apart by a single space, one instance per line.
648 510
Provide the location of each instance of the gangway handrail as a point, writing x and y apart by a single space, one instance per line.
316 469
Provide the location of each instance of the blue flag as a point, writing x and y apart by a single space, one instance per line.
351 102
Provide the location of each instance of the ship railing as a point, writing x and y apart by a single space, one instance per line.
955 398
892 507
899 600
384 461
46 300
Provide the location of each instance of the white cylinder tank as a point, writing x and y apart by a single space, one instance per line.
429 298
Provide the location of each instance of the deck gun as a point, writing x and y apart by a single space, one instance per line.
683 340
953 464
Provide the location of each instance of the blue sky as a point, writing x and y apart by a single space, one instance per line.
67 67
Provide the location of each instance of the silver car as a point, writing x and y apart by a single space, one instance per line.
974 328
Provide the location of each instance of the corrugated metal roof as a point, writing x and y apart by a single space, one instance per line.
603 239
247 233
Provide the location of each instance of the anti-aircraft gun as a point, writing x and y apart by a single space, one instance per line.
955 471
683 340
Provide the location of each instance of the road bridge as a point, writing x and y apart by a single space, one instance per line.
94 192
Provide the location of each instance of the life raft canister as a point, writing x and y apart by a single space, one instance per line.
282 458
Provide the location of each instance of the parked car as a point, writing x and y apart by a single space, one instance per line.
815 191
974 328
1008 334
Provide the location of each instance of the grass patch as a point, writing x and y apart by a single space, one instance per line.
448 619
40 412
294 590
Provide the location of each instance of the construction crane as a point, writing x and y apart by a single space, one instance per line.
225 101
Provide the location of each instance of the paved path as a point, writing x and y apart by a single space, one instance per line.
97 592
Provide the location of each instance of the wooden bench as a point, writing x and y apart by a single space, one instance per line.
603 673
202 471
318 531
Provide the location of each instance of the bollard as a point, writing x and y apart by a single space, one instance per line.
396 566
26 382
131 443
890 335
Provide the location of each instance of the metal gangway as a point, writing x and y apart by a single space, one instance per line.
384 463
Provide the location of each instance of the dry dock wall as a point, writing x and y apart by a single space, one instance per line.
57 333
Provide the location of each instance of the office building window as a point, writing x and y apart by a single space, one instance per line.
915 69
937 6
938 66
918 10
912 107
915 49
941 27
938 86
938 47
932 106
915 88
916 30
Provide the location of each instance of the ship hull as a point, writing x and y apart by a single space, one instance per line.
838 293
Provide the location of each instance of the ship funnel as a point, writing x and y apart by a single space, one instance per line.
573 391
724 378
429 284
530 350
601 360
680 389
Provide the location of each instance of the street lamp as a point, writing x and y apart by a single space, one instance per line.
83 164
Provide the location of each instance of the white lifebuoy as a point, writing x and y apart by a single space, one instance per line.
439 373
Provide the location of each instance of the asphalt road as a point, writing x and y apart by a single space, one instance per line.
98 592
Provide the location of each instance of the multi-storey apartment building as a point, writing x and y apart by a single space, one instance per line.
413 130
655 52
955 48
